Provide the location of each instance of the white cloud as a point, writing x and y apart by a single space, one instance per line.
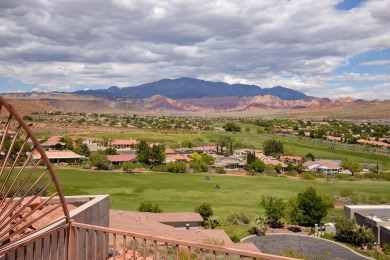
375 62
68 45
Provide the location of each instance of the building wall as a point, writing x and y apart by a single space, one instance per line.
92 210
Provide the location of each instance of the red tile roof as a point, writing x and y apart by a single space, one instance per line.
122 157
124 142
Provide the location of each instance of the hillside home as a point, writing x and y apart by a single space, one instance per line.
60 156
244 152
126 143
53 143
324 166
206 149
295 160
174 158
228 162
118 159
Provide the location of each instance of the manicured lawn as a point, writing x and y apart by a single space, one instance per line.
183 192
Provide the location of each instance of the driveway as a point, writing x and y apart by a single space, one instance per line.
314 248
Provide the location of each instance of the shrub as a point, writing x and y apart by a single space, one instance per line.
159 168
220 170
149 207
307 176
258 225
204 210
386 249
235 239
179 167
237 218
346 192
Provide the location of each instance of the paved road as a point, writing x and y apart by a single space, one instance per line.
312 247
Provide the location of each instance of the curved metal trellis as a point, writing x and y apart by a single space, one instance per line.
26 175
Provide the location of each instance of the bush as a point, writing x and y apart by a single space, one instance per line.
159 168
248 167
204 210
149 207
235 239
179 167
346 192
386 249
307 176
220 170
237 218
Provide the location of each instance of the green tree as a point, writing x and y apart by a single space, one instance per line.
143 152
111 151
362 236
212 223
258 165
294 213
99 160
157 154
351 165
313 208
68 142
344 229
278 168
310 156
208 159
273 147
250 157
204 210
274 209
232 127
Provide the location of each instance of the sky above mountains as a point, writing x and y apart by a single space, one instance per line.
327 48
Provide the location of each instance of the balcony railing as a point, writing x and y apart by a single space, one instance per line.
81 241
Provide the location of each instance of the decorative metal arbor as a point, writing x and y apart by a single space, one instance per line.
23 181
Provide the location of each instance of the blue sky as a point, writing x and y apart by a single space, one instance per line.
328 48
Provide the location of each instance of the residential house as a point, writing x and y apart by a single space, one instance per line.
118 159
295 160
60 156
174 158
324 166
206 149
53 143
228 162
124 143
184 151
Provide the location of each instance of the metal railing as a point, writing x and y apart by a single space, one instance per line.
81 241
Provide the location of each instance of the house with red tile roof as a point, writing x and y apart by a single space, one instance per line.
169 151
124 143
289 158
324 166
177 158
118 159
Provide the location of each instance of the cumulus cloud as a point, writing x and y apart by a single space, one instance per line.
69 45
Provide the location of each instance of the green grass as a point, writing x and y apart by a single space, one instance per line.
240 231
183 192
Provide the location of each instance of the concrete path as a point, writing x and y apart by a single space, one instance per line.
314 248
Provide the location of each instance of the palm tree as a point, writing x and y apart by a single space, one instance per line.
363 236
212 222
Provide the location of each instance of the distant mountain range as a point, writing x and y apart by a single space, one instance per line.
190 88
